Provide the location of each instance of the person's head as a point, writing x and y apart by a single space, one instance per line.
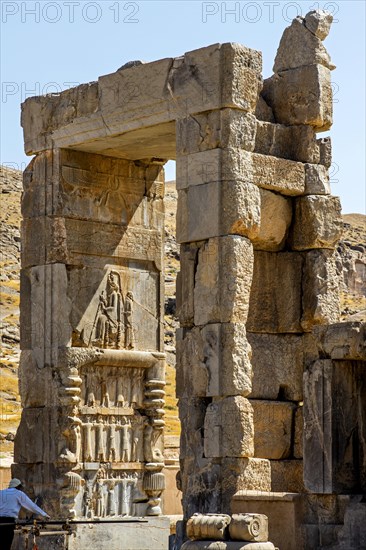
15 484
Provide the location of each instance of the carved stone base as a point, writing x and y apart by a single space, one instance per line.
143 534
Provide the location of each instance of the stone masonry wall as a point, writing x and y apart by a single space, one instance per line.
257 227
92 370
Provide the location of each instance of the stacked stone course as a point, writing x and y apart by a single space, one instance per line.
257 227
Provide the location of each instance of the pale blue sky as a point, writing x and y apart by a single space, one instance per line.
47 45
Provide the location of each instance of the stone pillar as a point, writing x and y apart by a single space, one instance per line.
218 215
92 368
295 285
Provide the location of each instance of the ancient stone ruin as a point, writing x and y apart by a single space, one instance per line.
271 387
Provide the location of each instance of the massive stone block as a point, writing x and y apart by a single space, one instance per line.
223 279
216 129
301 96
320 289
213 361
317 222
218 208
218 165
287 476
278 362
98 114
214 165
275 220
288 142
273 428
316 180
275 296
342 340
229 429
299 47
245 473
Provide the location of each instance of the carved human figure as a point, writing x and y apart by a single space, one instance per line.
151 453
88 450
125 440
126 495
136 386
120 393
111 504
72 451
104 400
112 453
88 501
99 497
90 395
100 453
128 312
135 444
108 316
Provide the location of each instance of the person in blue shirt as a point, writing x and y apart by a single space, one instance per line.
11 501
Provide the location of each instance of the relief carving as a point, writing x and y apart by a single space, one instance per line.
125 440
72 434
112 388
112 326
108 493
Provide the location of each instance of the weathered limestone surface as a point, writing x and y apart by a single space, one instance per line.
317 222
342 340
214 77
91 283
289 142
229 428
301 96
214 361
245 473
301 46
275 297
228 164
325 150
249 527
223 128
320 300
251 175
222 281
316 180
218 209
287 534
287 475
318 22
207 526
280 175
273 427
278 364
276 215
